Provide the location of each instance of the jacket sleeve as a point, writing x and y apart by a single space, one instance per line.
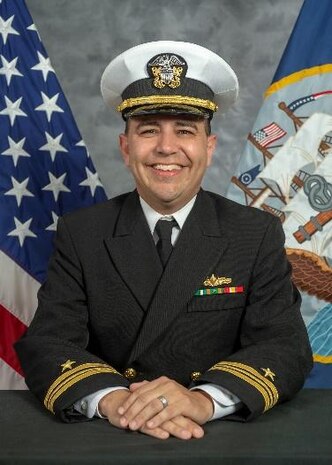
53 353
274 354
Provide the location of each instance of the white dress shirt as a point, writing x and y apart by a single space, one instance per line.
224 402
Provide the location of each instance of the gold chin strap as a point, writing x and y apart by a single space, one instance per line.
167 100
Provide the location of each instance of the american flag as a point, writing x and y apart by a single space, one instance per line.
269 134
45 171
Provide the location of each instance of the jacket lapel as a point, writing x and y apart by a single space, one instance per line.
133 251
198 249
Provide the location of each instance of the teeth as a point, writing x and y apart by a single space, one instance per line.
167 167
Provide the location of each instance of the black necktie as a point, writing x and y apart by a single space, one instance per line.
164 244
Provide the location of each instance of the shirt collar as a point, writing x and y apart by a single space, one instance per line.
152 216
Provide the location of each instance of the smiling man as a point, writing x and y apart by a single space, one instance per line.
168 157
169 306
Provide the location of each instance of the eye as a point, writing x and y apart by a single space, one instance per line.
186 131
148 131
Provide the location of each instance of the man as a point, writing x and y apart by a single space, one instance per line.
169 306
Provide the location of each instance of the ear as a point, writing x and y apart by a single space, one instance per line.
211 146
124 148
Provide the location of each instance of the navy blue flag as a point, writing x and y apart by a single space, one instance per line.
45 171
291 148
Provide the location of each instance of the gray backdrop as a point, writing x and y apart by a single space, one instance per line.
82 36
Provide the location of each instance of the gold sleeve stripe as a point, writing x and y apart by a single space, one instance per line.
71 377
253 377
266 388
71 382
265 395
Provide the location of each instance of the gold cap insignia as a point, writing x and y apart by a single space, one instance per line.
268 373
213 281
68 365
166 70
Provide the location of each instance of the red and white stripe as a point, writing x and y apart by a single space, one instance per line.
18 302
272 132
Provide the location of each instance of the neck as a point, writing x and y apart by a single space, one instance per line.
167 208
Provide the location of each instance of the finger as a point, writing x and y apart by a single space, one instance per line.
158 433
108 405
134 386
145 385
147 405
137 420
130 401
171 411
186 423
176 430
183 428
143 396
189 404
135 393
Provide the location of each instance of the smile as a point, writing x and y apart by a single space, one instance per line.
163 167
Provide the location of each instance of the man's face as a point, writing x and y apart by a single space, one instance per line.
168 156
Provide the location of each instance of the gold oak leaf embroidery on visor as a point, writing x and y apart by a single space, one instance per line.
71 377
251 376
167 99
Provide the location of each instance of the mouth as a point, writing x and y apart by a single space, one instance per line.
167 168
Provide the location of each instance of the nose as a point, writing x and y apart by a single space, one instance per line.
166 143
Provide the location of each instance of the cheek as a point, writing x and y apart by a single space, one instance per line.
202 161
199 155
137 167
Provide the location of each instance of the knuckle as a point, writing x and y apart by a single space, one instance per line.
141 399
173 411
140 419
169 383
172 428
132 399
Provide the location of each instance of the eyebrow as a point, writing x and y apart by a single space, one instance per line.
181 123
187 123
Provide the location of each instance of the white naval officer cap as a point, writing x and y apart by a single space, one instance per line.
169 77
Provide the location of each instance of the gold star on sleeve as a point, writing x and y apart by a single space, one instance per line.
68 365
268 373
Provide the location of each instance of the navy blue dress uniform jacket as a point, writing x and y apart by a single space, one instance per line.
223 311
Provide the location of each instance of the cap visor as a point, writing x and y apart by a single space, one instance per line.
167 110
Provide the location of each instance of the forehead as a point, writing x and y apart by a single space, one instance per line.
160 119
